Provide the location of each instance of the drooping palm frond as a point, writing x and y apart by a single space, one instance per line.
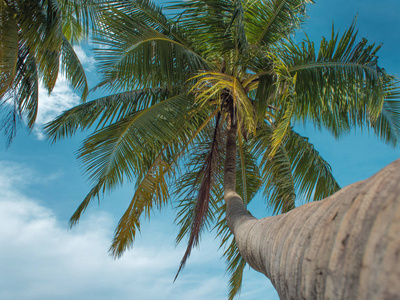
8 50
237 25
10 118
49 49
387 125
313 178
151 191
27 81
73 70
117 151
124 148
21 97
277 178
80 16
296 172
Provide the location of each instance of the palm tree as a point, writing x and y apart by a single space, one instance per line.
36 40
222 81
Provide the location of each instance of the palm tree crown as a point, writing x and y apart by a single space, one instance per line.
178 81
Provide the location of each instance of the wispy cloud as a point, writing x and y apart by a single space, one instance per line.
42 259
50 106
87 60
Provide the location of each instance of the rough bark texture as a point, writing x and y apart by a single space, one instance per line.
346 246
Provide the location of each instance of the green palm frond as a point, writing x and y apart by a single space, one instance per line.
340 86
27 79
151 191
49 51
235 262
9 49
269 21
103 111
94 192
277 177
387 125
206 23
21 99
10 118
73 70
238 27
119 148
313 178
164 57
124 148
79 16
282 128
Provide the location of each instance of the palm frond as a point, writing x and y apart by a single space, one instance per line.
313 178
8 50
235 262
277 177
79 16
341 86
151 191
208 23
102 111
27 86
119 148
129 39
387 125
72 68
94 192
124 149
49 51
10 117
269 21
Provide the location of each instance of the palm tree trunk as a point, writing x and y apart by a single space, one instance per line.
346 246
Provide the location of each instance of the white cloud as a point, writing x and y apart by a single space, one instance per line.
42 259
87 61
50 106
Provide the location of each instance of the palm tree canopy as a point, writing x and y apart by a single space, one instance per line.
175 78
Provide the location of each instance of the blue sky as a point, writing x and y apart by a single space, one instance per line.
41 185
